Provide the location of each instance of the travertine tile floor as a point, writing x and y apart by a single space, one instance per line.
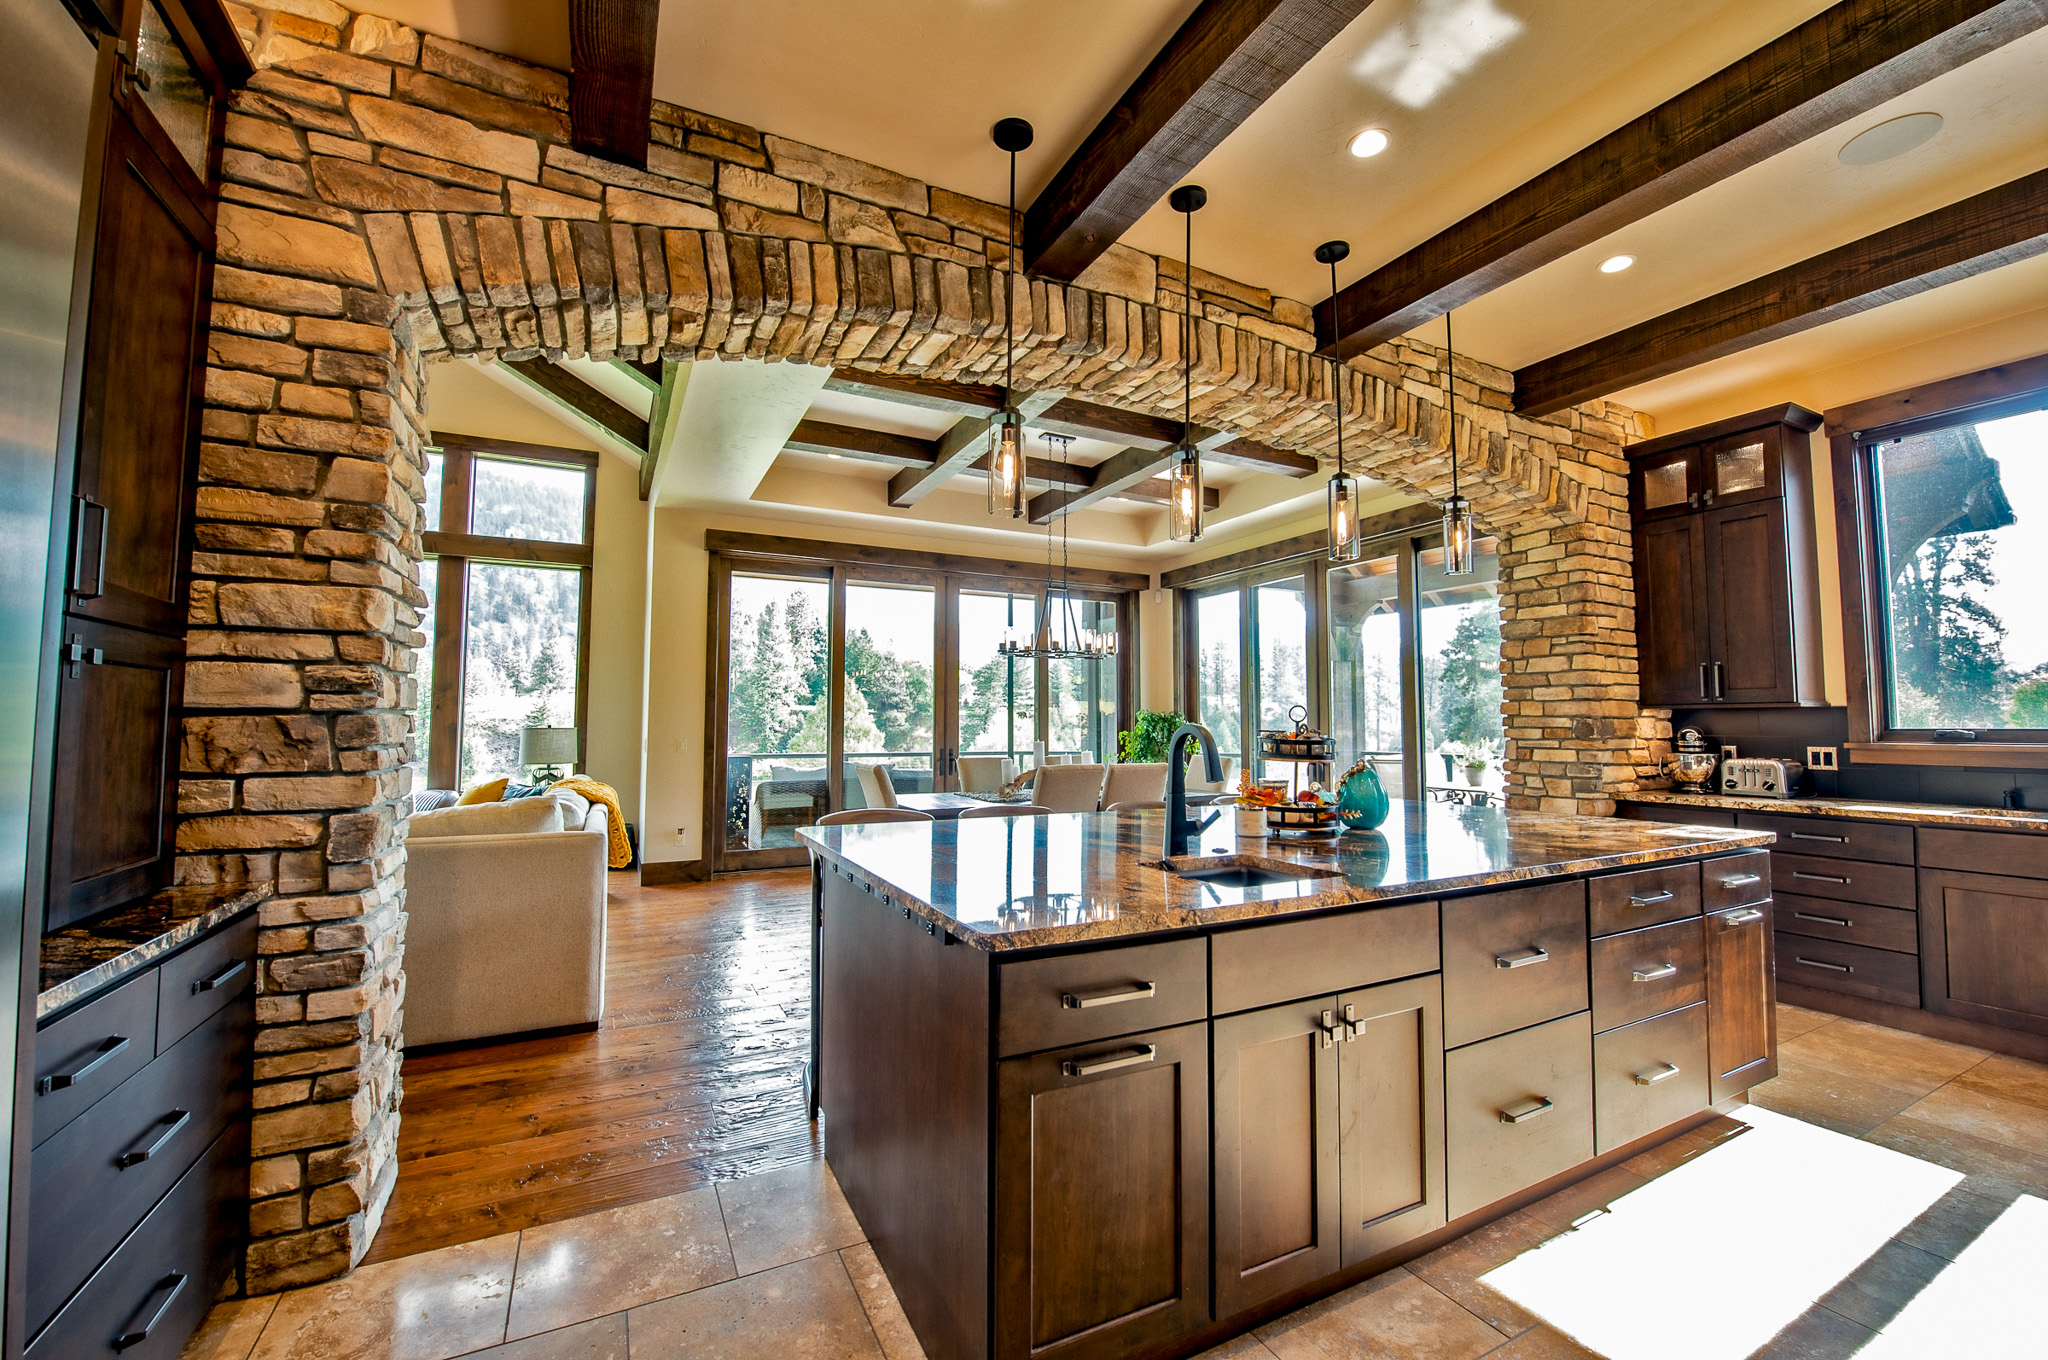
772 1266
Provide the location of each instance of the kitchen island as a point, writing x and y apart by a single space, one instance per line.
1088 1104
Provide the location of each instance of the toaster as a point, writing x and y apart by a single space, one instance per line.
1760 778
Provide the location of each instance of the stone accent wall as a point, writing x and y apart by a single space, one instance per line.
393 197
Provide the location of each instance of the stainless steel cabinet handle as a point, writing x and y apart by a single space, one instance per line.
1821 878
170 1286
1128 1057
1741 880
1081 1001
1662 970
1810 836
59 1081
1720 681
177 1120
1664 1073
1703 681
221 978
1741 918
1650 899
1824 920
1822 963
1528 1109
1523 959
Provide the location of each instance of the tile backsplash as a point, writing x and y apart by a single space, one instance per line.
1787 732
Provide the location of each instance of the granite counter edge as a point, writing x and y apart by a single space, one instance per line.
143 953
1913 814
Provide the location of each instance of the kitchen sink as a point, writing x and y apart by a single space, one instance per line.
1241 871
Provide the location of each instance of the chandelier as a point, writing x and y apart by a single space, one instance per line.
1075 642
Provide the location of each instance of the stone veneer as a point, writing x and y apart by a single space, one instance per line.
392 197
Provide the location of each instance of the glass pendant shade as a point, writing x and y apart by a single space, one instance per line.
1006 467
1458 537
1186 493
1346 542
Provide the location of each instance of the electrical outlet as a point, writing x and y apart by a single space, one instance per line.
1821 758
1729 753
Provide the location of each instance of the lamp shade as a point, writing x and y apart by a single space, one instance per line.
547 746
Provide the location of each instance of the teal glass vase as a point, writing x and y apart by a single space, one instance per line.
1361 799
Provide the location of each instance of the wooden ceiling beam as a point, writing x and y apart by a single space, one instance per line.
931 394
1222 64
1843 62
1988 231
875 446
611 77
1114 475
584 400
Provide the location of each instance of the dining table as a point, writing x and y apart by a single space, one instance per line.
945 807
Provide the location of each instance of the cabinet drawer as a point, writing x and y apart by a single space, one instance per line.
1853 969
1737 881
1841 880
205 978
1265 965
1676 813
1834 838
1078 998
83 1200
82 1056
2012 853
1512 959
1646 897
1519 1109
1850 922
163 1277
1648 972
1648 1075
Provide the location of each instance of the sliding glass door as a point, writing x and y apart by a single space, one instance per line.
777 709
887 719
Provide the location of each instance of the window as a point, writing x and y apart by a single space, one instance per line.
1365 660
1460 617
1219 693
998 708
1082 692
1957 559
1280 617
890 638
507 577
776 706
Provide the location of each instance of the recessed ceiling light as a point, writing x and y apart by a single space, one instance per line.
1893 137
1370 142
1614 264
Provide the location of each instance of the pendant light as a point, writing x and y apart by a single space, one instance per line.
1458 528
1186 488
1346 541
1006 453
1074 642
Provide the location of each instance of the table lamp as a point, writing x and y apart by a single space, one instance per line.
549 748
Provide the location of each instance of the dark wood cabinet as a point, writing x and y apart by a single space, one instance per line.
1102 1196
1390 1109
1727 595
1742 1025
1518 1109
1984 946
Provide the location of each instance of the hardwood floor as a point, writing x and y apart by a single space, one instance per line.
695 1075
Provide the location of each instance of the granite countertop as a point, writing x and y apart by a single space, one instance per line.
1005 883
80 960
1925 814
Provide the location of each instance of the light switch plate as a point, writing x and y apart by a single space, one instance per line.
1729 753
1821 758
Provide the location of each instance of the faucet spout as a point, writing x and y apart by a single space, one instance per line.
1180 826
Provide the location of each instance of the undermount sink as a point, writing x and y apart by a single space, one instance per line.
1241 871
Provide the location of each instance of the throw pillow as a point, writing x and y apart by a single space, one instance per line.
513 791
575 807
526 816
490 791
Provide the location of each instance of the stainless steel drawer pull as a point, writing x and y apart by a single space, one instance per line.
1741 918
1648 899
1081 1001
1741 880
60 1081
1664 1073
170 1286
1661 971
1809 836
221 978
177 1120
1129 1057
1523 959
1842 921
1822 878
1822 963
1528 1109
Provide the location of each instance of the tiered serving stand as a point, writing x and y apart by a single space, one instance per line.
1303 745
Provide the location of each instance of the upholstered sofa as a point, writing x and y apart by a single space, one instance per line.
506 919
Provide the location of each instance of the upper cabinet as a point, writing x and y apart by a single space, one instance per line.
1727 595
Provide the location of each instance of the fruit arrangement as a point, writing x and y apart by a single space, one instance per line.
1310 811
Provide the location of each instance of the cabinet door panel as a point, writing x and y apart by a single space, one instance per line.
1390 1085
1670 587
1984 947
1519 1109
1741 468
1749 605
1742 1027
1102 1196
1276 1152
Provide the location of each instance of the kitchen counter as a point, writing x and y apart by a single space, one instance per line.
1009 883
1920 814
82 959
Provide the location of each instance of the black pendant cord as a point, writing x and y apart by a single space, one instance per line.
1187 331
1337 368
1010 294
1451 400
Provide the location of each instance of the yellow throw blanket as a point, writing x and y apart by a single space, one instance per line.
615 820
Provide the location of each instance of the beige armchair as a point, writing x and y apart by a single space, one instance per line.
877 790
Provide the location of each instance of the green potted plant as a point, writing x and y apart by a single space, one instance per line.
1145 741
1475 769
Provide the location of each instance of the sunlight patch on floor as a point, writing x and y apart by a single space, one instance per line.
1984 1303
1710 1260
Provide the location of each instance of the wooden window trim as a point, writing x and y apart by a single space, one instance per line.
1986 394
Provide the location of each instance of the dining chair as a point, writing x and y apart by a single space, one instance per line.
1136 805
876 788
985 774
1069 788
853 816
1138 782
1227 784
1006 810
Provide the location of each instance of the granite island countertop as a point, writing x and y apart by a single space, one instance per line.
1010 883
82 959
1859 809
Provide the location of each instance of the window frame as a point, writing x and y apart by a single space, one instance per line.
1854 433
453 549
